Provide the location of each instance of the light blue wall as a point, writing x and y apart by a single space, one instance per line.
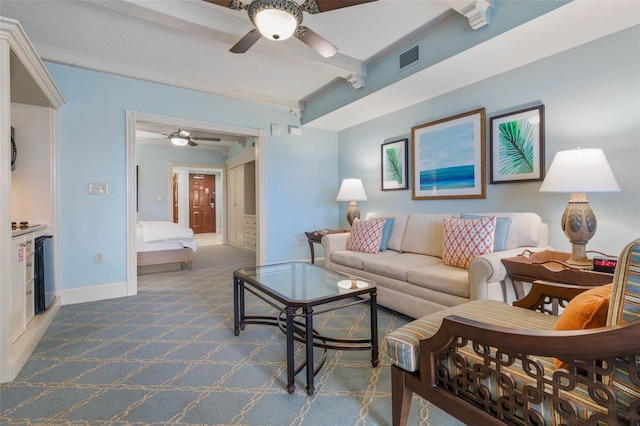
591 96
437 45
301 171
153 176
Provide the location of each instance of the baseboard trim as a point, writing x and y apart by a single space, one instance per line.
93 293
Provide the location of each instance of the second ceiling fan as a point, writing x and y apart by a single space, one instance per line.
183 137
281 19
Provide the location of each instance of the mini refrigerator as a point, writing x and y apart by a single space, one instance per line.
43 279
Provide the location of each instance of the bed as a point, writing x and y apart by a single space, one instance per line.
163 247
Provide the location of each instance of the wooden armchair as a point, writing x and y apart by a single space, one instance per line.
485 362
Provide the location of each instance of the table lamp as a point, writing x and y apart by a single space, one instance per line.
352 190
579 171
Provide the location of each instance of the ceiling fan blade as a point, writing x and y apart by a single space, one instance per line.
223 3
191 143
231 4
206 139
246 42
316 42
327 5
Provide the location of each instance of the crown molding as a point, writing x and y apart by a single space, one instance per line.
478 12
24 50
75 59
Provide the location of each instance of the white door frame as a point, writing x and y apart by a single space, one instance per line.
131 118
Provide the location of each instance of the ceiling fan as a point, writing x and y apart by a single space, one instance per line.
281 19
183 137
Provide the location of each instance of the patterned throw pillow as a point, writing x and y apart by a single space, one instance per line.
463 239
366 235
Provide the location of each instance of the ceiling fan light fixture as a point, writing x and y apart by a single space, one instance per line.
179 140
275 19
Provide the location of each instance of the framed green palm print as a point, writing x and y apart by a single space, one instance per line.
394 165
517 146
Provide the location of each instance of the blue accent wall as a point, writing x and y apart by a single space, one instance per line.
592 99
301 171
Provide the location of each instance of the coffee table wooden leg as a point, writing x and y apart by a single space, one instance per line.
291 387
309 348
374 329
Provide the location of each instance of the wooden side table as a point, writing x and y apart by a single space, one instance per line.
549 265
315 237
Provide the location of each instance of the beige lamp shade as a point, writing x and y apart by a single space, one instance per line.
579 171
352 190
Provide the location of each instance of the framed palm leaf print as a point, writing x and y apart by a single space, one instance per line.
394 158
517 146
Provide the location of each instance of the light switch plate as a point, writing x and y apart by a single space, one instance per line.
98 189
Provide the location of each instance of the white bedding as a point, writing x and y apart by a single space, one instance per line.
154 236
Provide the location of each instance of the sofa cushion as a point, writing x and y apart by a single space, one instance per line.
356 259
424 234
524 230
502 230
386 233
464 239
403 344
397 266
366 235
397 231
441 278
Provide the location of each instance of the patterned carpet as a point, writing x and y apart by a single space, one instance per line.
169 357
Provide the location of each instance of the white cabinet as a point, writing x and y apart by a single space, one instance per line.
250 231
22 298
29 102
235 207
241 205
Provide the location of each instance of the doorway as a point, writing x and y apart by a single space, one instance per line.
202 203
132 117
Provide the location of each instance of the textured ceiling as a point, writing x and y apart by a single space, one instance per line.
186 42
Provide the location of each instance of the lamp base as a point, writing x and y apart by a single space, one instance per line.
352 212
579 225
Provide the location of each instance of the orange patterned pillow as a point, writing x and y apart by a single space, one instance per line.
366 235
586 310
463 239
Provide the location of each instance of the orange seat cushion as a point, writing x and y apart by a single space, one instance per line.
586 310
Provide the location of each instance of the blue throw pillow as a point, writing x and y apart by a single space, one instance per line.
386 233
502 230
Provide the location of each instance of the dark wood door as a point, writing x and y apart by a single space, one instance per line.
202 207
175 198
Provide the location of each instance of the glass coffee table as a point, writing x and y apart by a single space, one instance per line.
300 291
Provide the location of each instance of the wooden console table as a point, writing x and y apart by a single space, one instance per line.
315 237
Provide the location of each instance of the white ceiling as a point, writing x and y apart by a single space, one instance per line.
185 43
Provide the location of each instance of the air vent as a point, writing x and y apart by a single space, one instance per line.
409 57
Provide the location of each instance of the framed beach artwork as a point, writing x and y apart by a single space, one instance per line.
394 160
517 146
448 157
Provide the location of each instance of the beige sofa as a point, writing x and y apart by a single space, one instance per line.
410 274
